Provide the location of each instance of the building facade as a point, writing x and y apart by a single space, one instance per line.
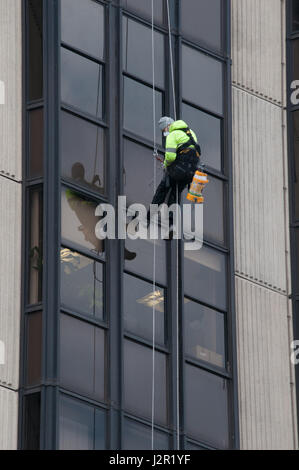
76 130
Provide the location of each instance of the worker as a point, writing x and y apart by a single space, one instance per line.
181 161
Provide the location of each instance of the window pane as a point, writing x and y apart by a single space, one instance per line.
138 309
208 131
36 133
83 152
34 348
202 80
81 283
143 262
35 47
206 402
192 446
201 22
82 363
138 382
137 50
81 83
31 437
139 437
137 99
82 26
138 160
144 8
79 221
36 247
76 425
295 45
204 333
296 162
205 276
100 430
295 15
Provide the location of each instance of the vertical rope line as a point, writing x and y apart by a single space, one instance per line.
154 261
177 243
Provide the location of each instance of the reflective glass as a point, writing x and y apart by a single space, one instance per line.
295 15
34 348
36 139
295 45
139 300
36 247
82 26
31 430
202 80
83 152
142 264
143 8
296 162
81 283
35 48
204 333
139 437
81 83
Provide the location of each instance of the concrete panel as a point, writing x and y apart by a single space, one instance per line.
259 211
10 279
11 88
257 37
265 392
8 419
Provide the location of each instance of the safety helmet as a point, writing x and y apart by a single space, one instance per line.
165 122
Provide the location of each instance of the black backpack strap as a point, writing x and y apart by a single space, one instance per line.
191 141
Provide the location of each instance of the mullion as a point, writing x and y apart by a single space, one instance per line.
82 53
84 116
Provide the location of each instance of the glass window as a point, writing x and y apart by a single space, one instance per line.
35 48
81 283
204 333
138 160
142 264
82 357
296 161
139 300
81 426
205 276
136 436
137 99
36 246
295 15
202 80
206 402
192 446
79 221
201 22
81 83
144 8
31 436
77 18
208 131
137 49
138 382
83 152
295 45
36 139
34 348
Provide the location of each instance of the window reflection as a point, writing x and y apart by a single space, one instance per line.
139 300
201 22
208 131
82 357
295 15
137 98
31 436
206 403
142 264
203 86
77 18
204 333
81 426
83 152
34 348
205 276
138 380
36 139
35 48
143 8
296 161
36 247
81 83
139 437
81 283
79 221
137 48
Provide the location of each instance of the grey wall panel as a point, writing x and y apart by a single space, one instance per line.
10 279
258 190
11 77
265 394
8 419
257 35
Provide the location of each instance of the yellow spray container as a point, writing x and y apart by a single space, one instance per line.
197 186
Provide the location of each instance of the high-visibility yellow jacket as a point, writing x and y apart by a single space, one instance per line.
175 139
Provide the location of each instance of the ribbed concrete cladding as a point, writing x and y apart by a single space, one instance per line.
8 419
